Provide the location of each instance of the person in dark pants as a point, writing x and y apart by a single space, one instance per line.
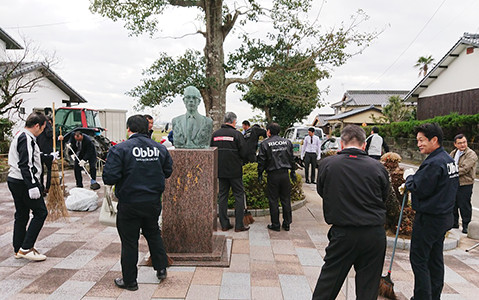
466 160
433 190
24 184
45 143
276 158
375 143
310 153
138 168
251 136
84 148
231 151
354 188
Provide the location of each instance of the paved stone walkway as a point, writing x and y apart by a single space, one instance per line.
83 260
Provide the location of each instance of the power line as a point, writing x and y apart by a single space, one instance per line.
47 24
410 44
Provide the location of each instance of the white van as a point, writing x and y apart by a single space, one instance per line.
296 135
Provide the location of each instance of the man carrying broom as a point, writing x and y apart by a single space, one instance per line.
354 188
23 180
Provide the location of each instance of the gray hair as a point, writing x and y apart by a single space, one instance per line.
230 117
353 134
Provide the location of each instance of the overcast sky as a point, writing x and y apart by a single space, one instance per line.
101 61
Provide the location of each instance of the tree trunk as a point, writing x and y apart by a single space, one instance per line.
215 94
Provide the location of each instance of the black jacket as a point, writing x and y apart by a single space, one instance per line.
275 153
251 137
435 184
45 139
354 188
138 168
231 151
87 149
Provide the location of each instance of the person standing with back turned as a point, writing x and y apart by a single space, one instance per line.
433 190
354 189
276 158
138 168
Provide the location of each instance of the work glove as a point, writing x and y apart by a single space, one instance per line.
82 163
292 175
402 188
260 178
34 193
55 155
407 173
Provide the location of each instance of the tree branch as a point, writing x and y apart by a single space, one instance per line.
248 79
229 23
187 3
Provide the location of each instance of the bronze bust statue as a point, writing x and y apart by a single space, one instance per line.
192 130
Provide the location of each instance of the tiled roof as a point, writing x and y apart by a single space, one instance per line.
368 97
352 112
322 119
467 40
11 43
28 67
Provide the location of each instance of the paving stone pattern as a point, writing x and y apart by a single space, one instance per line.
83 260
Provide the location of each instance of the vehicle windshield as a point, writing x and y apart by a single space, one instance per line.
303 132
68 119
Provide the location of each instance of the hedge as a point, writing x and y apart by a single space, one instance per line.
451 125
256 192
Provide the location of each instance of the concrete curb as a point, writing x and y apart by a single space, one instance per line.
450 242
265 212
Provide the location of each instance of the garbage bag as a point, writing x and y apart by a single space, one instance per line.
81 199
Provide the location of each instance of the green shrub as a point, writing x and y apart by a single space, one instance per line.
256 193
451 125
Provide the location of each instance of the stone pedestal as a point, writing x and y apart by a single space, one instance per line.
189 207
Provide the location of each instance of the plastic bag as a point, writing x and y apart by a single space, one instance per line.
81 199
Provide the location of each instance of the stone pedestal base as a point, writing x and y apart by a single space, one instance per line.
189 208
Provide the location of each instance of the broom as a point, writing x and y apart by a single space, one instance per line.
248 218
55 200
386 285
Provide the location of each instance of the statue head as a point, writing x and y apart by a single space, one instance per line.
191 98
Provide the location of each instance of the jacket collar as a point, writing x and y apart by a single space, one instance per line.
227 126
137 135
435 152
355 151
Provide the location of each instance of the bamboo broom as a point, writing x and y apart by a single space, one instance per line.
55 200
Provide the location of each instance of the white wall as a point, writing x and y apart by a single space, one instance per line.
3 51
114 120
44 94
462 74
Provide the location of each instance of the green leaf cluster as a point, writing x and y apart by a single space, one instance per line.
256 196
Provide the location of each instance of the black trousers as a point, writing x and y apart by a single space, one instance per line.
426 254
347 247
310 159
23 237
77 169
279 186
236 184
130 218
46 166
463 205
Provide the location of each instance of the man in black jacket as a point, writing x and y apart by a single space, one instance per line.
251 136
45 142
138 168
85 150
433 189
354 188
276 158
231 151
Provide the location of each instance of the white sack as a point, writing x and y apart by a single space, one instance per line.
81 199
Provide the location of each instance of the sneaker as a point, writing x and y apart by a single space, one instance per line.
31 254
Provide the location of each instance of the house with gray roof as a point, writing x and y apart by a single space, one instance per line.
452 85
35 84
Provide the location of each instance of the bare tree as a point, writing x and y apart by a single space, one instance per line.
21 73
